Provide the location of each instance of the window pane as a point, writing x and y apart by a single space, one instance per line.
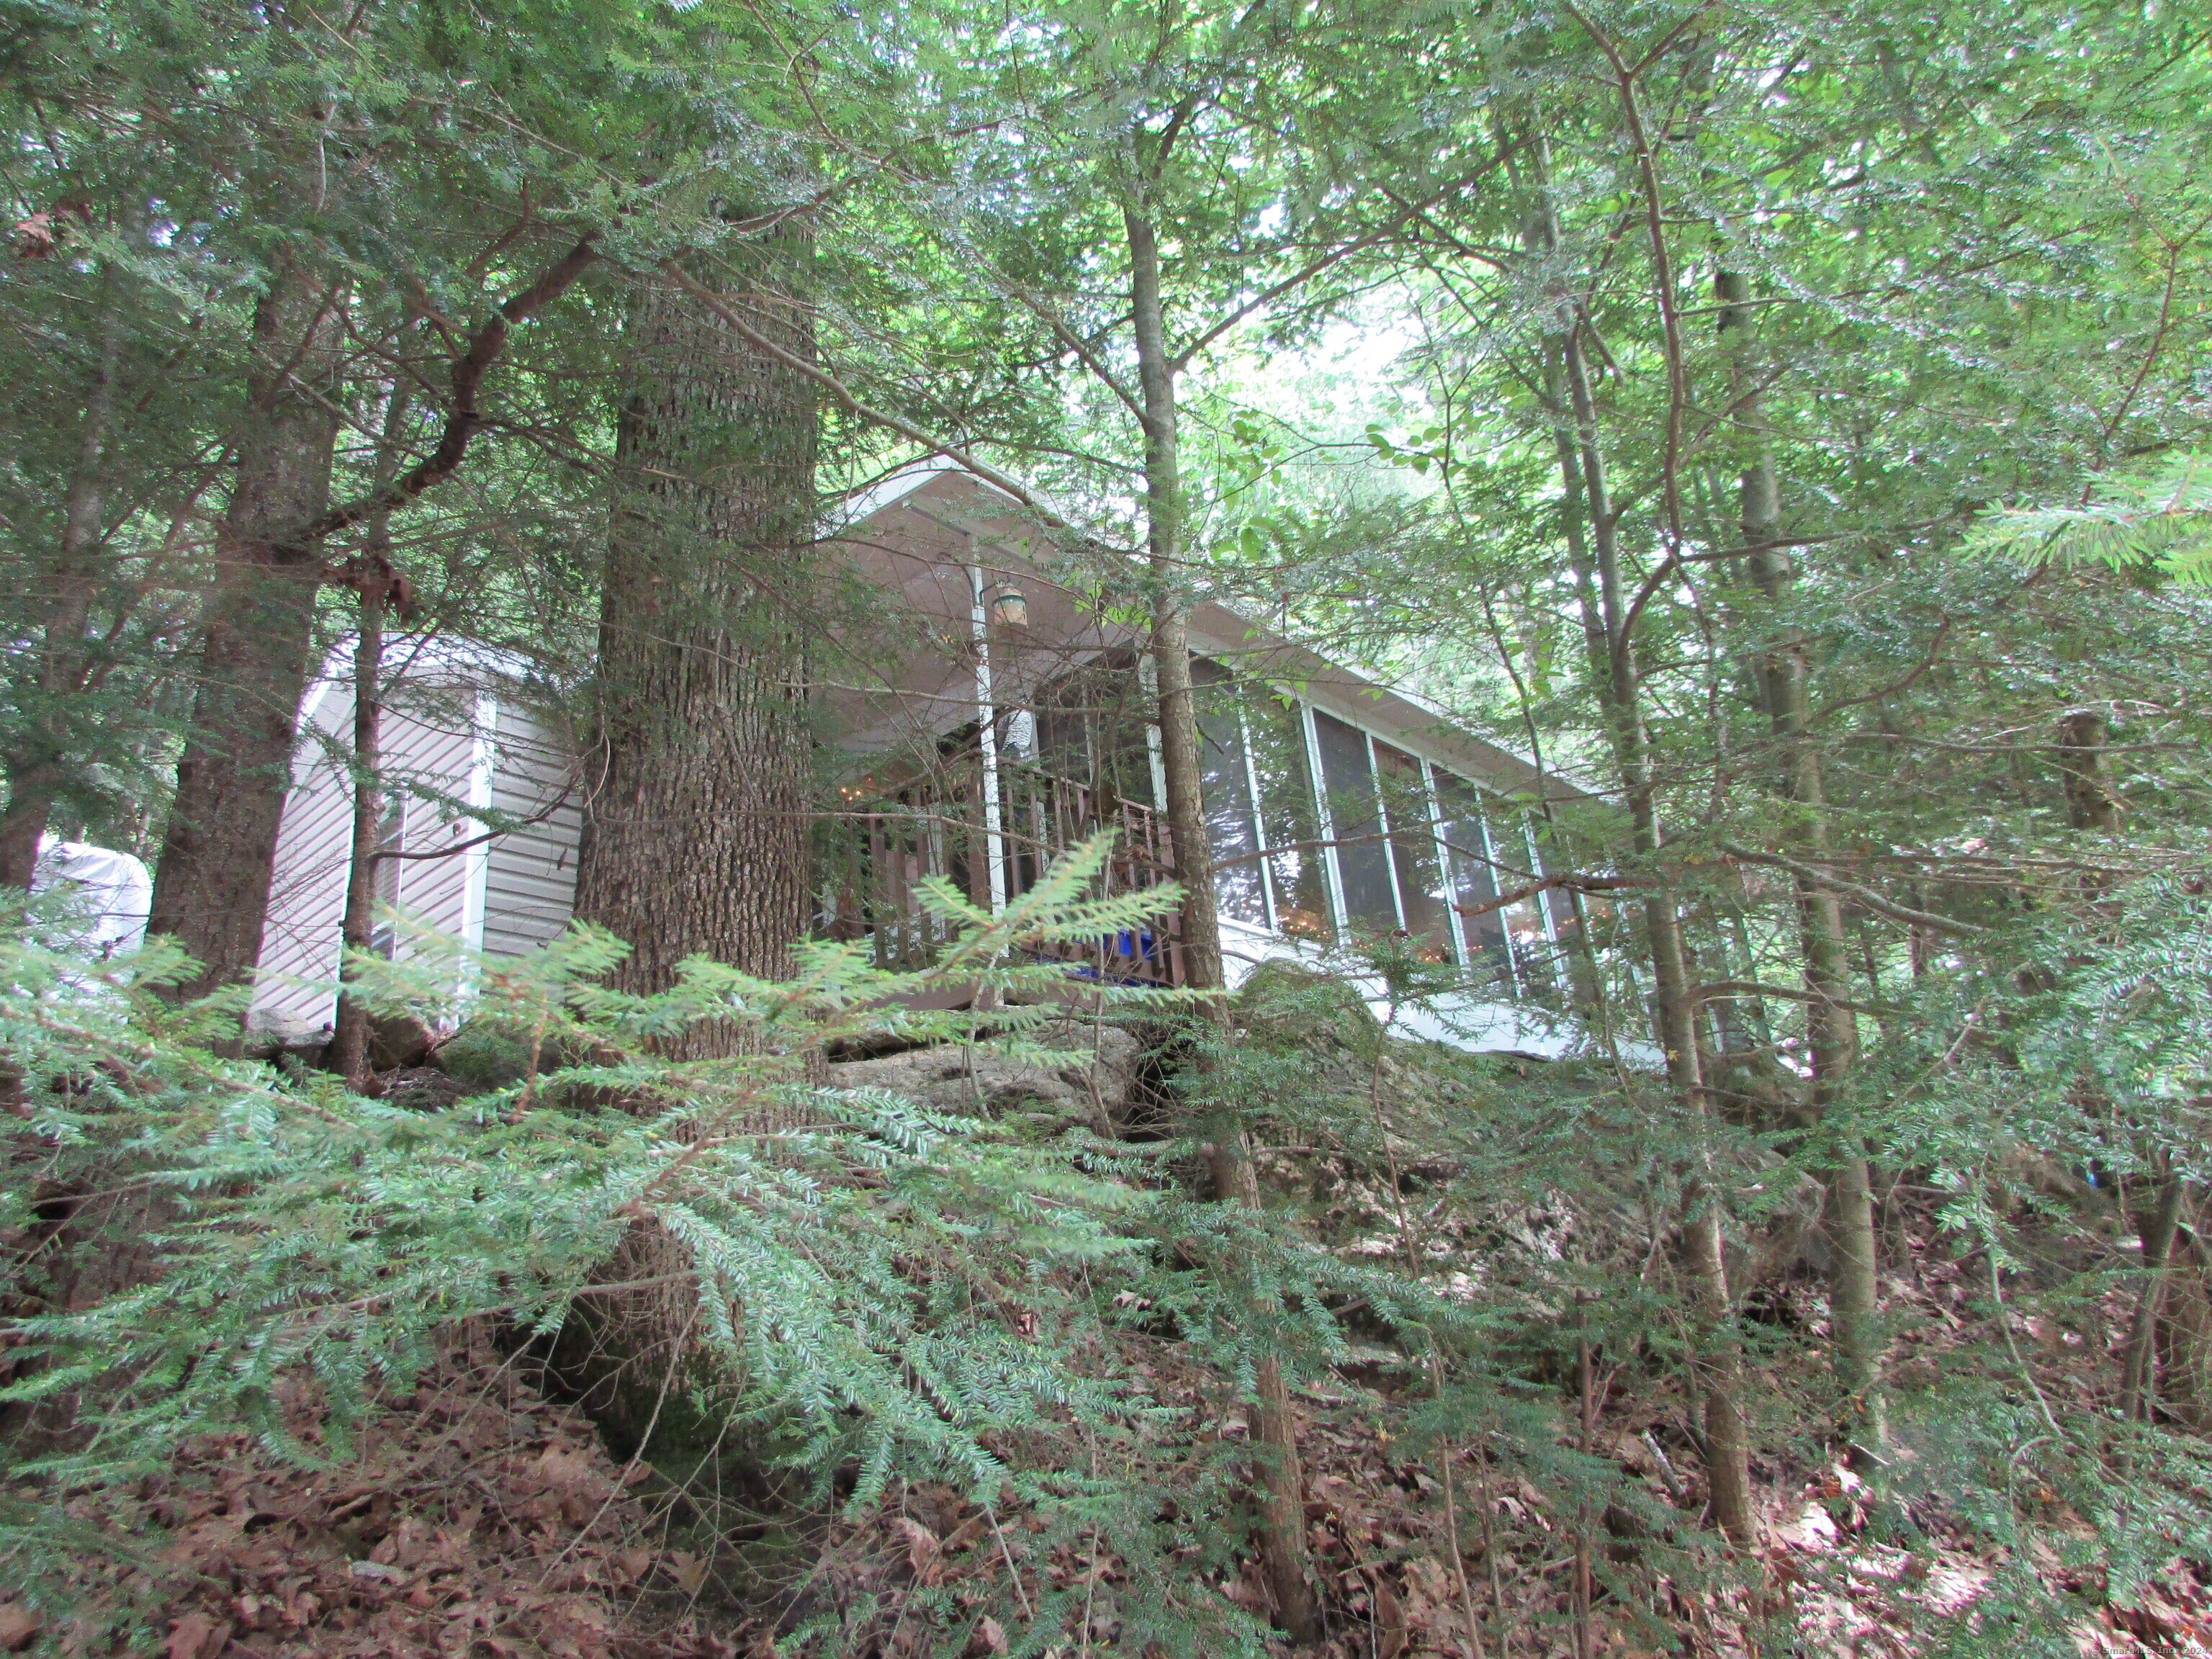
1289 817
1228 792
1413 846
1572 956
1091 729
1364 865
1474 881
1536 957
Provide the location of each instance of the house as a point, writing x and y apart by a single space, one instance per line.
459 737
997 713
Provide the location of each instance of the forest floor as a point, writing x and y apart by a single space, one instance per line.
475 1516
479 1518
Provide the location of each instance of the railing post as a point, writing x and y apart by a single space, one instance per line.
986 738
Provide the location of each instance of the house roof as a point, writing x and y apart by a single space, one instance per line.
887 523
917 532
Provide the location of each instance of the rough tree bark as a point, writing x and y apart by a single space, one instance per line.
39 767
1854 1282
211 886
695 829
695 820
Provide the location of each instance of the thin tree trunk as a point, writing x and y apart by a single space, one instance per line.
1727 1435
211 886
1282 1510
348 1055
378 583
1854 1283
2139 1366
38 771
2090 802
1180 750
696 833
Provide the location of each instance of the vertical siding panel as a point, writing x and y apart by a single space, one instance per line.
431 741
429 748
529 876
307 893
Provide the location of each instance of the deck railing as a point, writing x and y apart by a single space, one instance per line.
882 850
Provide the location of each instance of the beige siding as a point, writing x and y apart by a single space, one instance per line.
436 748
431 746
307 895
529 876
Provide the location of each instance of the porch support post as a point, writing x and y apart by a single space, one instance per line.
987 738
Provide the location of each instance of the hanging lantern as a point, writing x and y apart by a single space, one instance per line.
1010 606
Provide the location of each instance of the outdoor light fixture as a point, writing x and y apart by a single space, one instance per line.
1010 606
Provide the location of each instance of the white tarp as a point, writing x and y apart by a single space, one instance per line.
114 889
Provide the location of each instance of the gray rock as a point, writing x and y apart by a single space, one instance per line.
1091 1088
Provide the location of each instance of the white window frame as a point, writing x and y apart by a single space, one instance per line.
1324 820
1493 811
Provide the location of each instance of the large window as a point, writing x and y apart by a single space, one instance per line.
1411 816
1296 864
1317 825
1465 832
1240 885
1355 825
1318 828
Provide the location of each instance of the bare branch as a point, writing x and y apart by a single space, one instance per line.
465 417
1865 896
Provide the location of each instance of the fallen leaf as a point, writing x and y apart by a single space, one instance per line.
1391 1618
922 1549
196 1635
18 1625
689 1571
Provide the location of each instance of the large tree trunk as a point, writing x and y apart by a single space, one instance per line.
1854 1282
696 833
211 887
695 828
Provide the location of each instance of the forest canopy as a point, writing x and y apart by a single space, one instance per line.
1372 826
